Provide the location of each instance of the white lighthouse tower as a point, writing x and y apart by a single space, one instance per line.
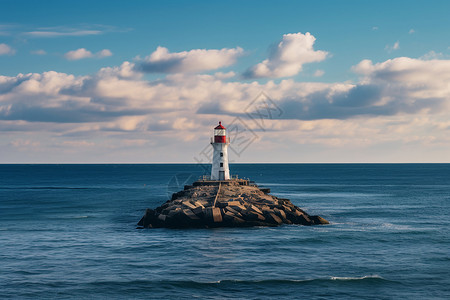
219 166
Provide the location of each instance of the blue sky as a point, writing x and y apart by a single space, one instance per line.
133 81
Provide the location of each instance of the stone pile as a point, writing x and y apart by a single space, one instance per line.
231 203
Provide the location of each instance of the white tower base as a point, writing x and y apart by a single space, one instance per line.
219 166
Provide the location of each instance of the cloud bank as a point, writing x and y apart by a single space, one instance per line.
401 101
398 86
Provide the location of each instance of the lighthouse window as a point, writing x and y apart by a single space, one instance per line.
219 132
221 165
221 154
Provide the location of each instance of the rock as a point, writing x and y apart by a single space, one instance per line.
209 215
280 213
265 190
254 208
233 211
147 218
275 218
198 210
237 221
304 220
222 204
217 215
239 204
189 204
318 220
238 208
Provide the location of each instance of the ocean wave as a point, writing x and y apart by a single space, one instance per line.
67 217
229 282
45 188
78 217
332 195
357 278
188 289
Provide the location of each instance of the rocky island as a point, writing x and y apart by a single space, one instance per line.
225 203
221 200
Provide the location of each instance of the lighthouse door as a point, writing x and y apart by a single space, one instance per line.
221 175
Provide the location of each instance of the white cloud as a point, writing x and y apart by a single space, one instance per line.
104 53
125 70
409 85
432 55
50 34
83 53
408 70
6 50
288 57
319 73
163 61
78 54
390 48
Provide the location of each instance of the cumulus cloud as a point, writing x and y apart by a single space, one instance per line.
288 57
125 70
163 61
58 98
6 50
413 84
405 70
397 86
83 53
78 54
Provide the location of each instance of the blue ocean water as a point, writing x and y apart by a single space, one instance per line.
69 231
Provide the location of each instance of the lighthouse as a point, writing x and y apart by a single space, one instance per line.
219 165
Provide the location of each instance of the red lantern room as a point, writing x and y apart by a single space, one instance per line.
220 135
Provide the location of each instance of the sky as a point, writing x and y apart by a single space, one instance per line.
293 81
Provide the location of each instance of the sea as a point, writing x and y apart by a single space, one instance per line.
68 231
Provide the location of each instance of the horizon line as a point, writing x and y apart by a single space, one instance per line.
194 163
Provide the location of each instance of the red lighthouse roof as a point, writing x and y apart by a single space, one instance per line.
220 126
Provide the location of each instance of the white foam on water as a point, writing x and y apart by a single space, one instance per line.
356 278
80 217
